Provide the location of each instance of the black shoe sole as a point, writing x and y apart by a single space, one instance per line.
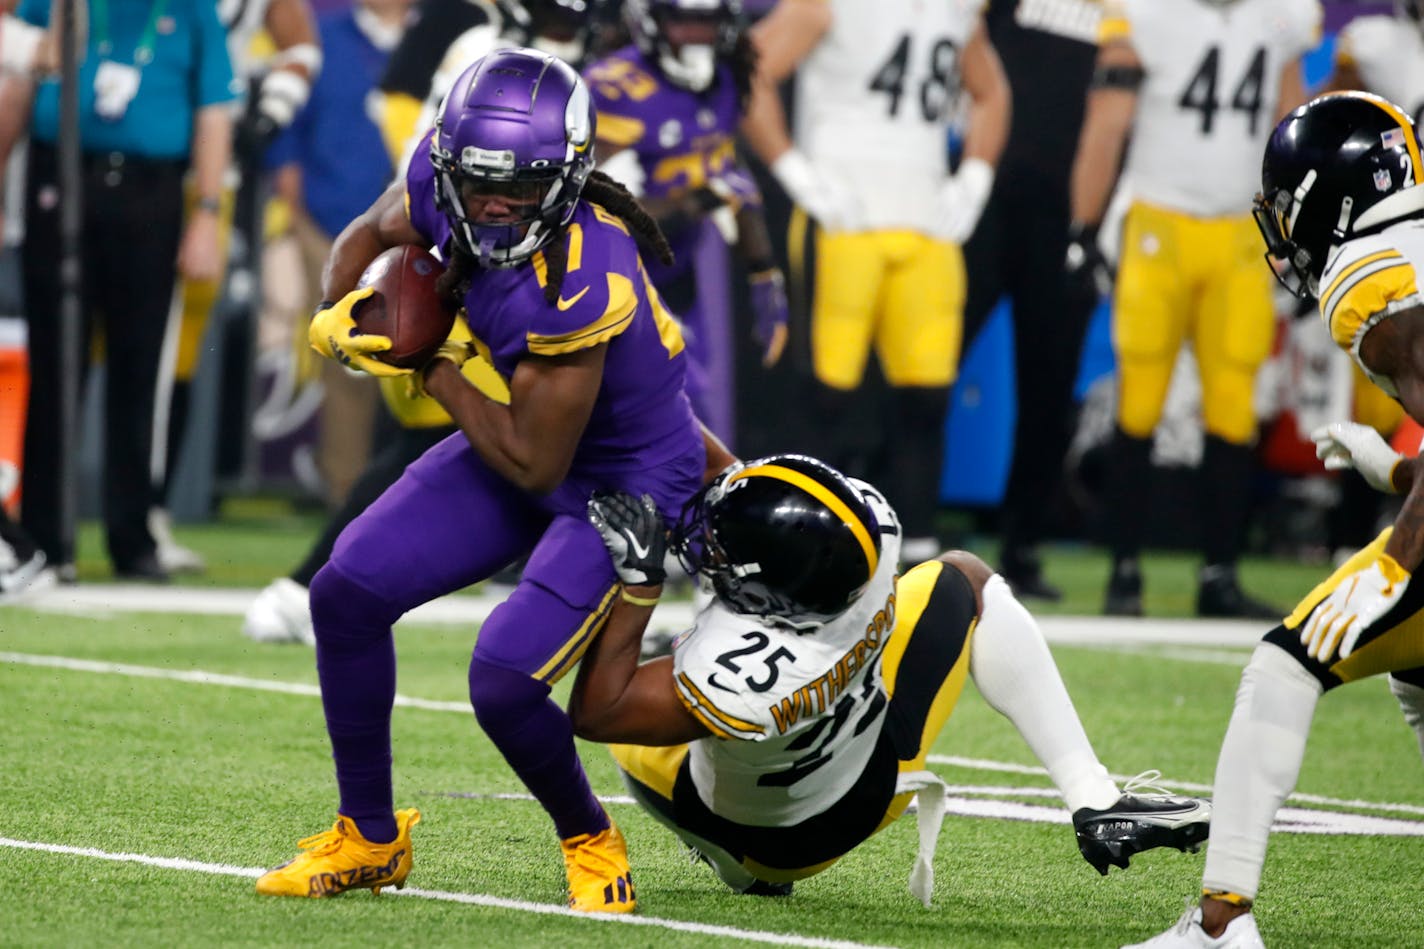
1117 852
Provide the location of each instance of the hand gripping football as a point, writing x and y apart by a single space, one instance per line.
405 307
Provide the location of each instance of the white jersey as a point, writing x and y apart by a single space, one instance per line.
874 100
1367 279
797 715
1389 54
1210 96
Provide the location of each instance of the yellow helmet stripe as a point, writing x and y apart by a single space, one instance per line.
822 494
1411 140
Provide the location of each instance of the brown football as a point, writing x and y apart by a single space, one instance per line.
405 306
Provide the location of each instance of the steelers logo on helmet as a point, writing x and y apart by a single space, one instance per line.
785 537
1340 166
511 152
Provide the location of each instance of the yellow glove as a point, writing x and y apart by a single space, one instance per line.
333 334
457 351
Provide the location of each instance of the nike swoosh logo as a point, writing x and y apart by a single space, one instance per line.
638 548
712 681
565 304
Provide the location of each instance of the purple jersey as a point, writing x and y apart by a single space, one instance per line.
682 138
641 418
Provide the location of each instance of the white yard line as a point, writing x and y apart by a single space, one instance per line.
474 899
199 677
462 609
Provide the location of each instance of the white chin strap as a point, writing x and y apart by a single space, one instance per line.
691 67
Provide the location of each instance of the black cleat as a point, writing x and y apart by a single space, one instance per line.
1024 573
1220 595
1124 596
1138 822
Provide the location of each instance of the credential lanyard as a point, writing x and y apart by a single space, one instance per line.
143 52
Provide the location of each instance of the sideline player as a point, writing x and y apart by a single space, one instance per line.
1342 212
543 258
1199 85
794 719
876 85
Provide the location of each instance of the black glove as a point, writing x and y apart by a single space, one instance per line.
1088 271
634 533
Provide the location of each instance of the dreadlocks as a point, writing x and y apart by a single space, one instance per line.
743 60
601 189
454 283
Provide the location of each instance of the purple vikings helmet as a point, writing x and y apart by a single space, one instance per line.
517 125
692 64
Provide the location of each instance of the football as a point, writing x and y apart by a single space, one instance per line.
405 306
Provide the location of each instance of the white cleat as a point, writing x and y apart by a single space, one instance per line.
280 614
173 557
1187 933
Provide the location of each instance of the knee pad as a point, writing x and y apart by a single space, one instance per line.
502 696
343 610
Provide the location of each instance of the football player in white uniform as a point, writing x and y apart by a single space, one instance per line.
877 85
1385 55
1342 212
1199 85
795 718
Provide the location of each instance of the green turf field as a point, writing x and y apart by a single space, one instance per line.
160 793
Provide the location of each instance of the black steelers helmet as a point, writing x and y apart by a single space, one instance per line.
785 537
1341 165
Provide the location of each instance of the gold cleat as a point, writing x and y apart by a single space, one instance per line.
600 880
340 859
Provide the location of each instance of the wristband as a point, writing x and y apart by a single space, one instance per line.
638 600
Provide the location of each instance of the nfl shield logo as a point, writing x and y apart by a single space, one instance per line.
1383 182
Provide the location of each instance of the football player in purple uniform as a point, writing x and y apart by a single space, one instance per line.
584 392
668 108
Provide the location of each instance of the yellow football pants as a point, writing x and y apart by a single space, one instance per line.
1199 280
901 291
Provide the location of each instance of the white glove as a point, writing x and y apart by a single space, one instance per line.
281 96
1352 607
634 533
962 198
835 208
1344 445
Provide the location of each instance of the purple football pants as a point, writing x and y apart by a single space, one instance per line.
450 521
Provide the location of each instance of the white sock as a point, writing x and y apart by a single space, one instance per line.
1015 673
1258 766
1411 701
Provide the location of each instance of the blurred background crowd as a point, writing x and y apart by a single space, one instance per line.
223 147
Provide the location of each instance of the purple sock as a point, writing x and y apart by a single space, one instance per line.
537 739
356 663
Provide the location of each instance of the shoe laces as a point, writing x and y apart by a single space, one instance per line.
1143 785
594 860
328 841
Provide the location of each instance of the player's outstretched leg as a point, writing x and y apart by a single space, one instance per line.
341 859
1016 675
